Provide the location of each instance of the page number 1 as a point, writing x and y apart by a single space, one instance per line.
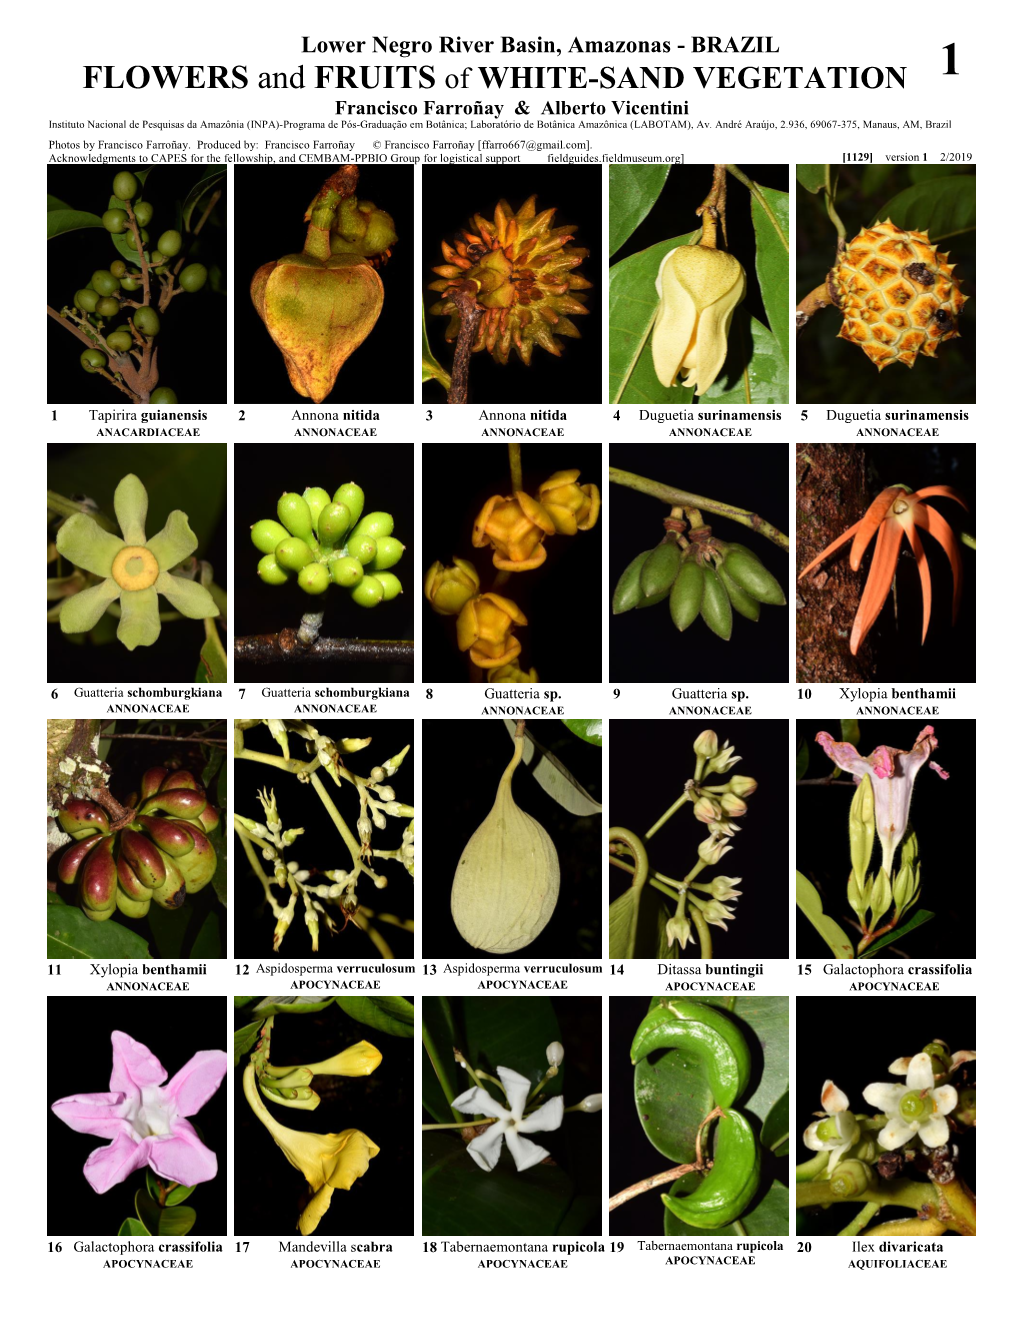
951 59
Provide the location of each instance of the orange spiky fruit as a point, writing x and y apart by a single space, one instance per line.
519 270
899 295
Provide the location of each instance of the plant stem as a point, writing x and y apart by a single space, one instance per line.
649 1184
471 1122
860 1220
951 1205
672 496
470 314
704 934
667 814
637 850
274 648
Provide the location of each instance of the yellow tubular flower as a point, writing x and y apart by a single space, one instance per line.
448 589
327 1162
571 507
483 628
515 528
358 1061
699 289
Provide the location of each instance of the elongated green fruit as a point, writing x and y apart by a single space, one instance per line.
660 569
716 609
753 577
731 1183
628 590
711 1038
739 599
657 599
686 594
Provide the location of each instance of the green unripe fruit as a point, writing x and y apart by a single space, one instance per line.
659 570
657 599
353 496
293 554
267 534
271 572
729 1188
334 521
715 606
316 498
144 236
374 525
125 185
169 242
314 578
92 360
295 514
193 277
346 572
120 340
118 269
107 307
686 594
391 584
143 212
388 551
129 284
739 599
753 577
628 589
146 321
368 593
362 548
163 395
710 1040
105 283
115 221
86 299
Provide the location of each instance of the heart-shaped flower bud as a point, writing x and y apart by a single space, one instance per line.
699 289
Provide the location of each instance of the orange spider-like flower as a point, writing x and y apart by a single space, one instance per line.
572 508
515 528
518 268
484 628
896 513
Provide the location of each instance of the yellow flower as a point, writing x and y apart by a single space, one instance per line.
515 528
699 288
358 1061
572 508
483 627
511 674
448 589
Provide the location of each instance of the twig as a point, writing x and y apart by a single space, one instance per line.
516 473
672 496
825 782
811 303
271 648
470 315
168 737
649 1184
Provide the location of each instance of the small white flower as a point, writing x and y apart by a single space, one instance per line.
837 1132
510 1123
554 1054
915 1109
591 1104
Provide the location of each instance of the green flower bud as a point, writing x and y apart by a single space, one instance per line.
353 496
375 525
347 571
362 548
941 1060
267 534
851 1177
293 554
368 592
390 584
334 523
314 578
295 515
881 897
269 570
862 829
388 551
316 498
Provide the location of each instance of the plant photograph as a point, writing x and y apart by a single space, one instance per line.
136 282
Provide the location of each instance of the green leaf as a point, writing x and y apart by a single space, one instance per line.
943 207
167 930
776 1128
623 923
152 1185
177 1221
241 1000
850 731
918 919
55 204
589 730
148 1211
755 370
772 262
133 1228
389 1013
212 662
65 222
212 177
440 1073
633 191
873 178
219 880
273 1004
632 306
802 760
769 1216
179 1194
70 934
207 943
553 776
812 177
430 368
810 903
125 245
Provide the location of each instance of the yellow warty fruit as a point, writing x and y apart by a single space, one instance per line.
508 876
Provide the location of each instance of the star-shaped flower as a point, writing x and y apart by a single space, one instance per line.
510 1122
919 1108
838 1129
133 569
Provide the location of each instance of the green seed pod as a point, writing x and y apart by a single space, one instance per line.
143 857
353 496
193 277
714 1042
686 594
658 573
316 498
751 575
390 584
73 857
146 321
314 578
198 866
334 523
99 878
105 283
86 300
267 534
185 803
295 515
272 573
152 781
731 1184
715 606
125 185
368 592
293 554
107 307
739 599
346 571
81 817
362 548
374 525
120 341
388 551
115 221
181 779
628 589
129 882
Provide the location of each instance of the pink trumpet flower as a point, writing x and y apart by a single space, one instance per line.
896 513
145 1122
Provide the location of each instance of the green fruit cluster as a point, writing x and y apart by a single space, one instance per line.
326 541
161 855
710 579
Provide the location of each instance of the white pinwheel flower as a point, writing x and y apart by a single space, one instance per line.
510 1122
917 1109
838 1129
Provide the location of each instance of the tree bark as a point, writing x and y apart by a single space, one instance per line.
831 496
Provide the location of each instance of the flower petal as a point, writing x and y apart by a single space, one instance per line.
476 1100
920 1074
131 504
485 1148
97 1113
914 537
354 1150
880 576
174 543
517 1088
673 327
897 1132
811 1138
314 1210
134 1065
82 611
139 618
182 1157
871 522
190 598
885 1096
111 1164
526 1153
83 542
924 493
834 1101
946 1099
961 1057
197 1081
547 1118
843 754
899 1066
933 523
935 1132
833 545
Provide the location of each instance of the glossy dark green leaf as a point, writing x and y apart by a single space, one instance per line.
389 1013
212 662
755 370
802 760
623 923
942 207
70 934
219 880
440 1072
850 731
178 1195
895 936
168 930
274 1004
176 1221
244 1041
148 1211
66 221
812 177
772 262
152 1185
207 942
633 191
632 306
55 204
589 730
133 1228
810 903
776 1128
199 196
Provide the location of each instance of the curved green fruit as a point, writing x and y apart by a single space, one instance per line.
658 573
361 547
185 803
143 857
135 908
92 360
72 858
81 817
753 577
628 589
388 551
368 592
390 584
374 525
129 882
271 572
686 594
99 878
317 499
168 836
739 599
334 523
715 1042
152 781
199 866
716 609
293 554
346 571
353 496
171 893
295 514
731 1183
181 779
267 534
